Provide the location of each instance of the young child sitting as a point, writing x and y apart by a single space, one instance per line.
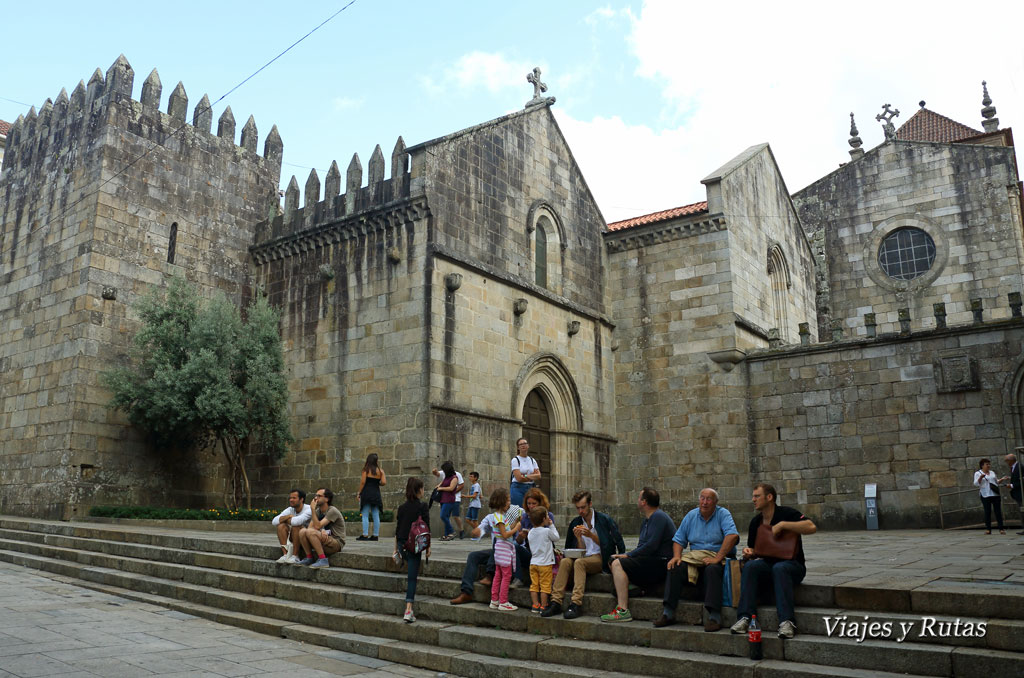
502 524
543 537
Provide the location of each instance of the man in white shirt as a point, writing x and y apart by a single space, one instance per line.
288 524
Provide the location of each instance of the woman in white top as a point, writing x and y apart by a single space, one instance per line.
525 472
986 480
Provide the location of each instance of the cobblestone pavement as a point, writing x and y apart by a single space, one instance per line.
53 628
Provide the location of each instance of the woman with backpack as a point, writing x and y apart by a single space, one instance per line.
525 472
369 498
407 520
448 487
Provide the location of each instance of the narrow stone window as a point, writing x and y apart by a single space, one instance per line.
542 253
172 243
779 278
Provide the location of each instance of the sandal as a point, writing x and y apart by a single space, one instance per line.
986 532
1002 531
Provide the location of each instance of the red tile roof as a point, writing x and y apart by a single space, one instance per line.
5 127
928 125
655 217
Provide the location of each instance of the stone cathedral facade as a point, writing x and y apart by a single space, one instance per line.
866 329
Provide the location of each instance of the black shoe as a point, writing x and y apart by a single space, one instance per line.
572 611
362 538
374 539
552 609
663 621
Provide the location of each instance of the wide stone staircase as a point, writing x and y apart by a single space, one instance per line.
356 604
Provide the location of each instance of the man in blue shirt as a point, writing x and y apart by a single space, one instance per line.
644 565
711 534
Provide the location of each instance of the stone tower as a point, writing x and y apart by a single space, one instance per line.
101 197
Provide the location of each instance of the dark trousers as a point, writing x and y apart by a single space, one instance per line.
486 557
784 575
993 503
709 581
413 561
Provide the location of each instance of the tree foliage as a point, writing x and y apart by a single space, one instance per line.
199 374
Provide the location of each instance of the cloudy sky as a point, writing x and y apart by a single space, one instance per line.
651 95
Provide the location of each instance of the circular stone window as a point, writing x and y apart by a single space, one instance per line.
906 253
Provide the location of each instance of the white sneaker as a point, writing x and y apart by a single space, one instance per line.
409 617
787 629
292 560
741 625
288 553
494 605
507 607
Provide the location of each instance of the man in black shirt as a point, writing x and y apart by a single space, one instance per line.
784 574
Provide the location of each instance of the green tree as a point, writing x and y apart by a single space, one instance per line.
201 375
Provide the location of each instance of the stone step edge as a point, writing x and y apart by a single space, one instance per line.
823 598
439 658
937 650
425 598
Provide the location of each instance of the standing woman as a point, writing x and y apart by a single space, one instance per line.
368 497
447 488
525 472
985 479
413 508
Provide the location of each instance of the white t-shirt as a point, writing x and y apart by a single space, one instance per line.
458 494
475 501
542 545
299 521
525 466
510 516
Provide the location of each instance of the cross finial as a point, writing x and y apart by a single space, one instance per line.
886 116
990 122
538 87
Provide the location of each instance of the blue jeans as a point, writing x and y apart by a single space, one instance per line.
520 568
366 510
517 491
446 515
413 561
784 574
473 562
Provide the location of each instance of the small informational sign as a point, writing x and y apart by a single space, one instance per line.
871 505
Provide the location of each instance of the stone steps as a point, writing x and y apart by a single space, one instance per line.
241 579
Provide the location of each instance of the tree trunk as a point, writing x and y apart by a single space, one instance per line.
230 499
242 447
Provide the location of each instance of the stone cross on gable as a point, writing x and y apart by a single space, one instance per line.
538 86
886 117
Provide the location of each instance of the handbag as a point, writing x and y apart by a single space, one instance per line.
781 547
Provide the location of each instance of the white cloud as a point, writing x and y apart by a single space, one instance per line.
788 75
477 70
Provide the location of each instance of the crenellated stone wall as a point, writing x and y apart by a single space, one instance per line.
92 188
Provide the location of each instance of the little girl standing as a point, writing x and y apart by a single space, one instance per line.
503 524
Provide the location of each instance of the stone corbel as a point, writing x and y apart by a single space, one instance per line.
728 358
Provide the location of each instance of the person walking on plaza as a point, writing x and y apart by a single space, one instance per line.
525 472
448 486
472 497
765 535
368 496
710 532
1016 479
289 523
324 536
414 508
598 535
988 485
646 564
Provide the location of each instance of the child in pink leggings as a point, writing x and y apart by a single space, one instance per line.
503 524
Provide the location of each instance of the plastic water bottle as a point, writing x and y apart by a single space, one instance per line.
754 638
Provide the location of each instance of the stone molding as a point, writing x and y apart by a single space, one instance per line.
617 241
356 226
447 253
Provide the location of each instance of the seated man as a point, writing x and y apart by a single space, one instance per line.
598 535
288 524
644 565
711 534
484 557
324 536
784 574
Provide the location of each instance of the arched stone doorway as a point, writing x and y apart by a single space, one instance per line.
537 430
545 398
